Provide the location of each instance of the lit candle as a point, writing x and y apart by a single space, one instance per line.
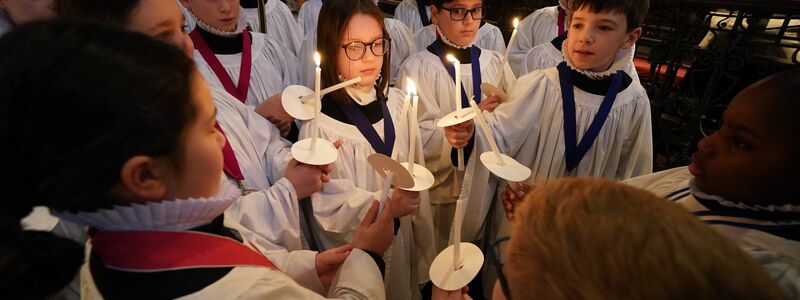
487 132
412 125
505 56
331 89
457 91
457 236
457 66
318 102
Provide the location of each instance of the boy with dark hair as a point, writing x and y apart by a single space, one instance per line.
587 117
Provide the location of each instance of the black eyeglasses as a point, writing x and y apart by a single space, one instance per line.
496 259
459 14
356 50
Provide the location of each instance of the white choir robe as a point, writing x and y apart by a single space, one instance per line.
402 46
779 256
274 67
358 278
436 97
189 20
40 219
530 129
489 37
280 24
272 212
539 27
308 15
408 13
408 260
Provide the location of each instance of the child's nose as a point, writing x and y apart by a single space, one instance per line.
706 145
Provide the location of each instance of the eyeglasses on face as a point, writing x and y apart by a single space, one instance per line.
356 50
459 14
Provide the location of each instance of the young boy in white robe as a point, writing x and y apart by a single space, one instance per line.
273 17
540 27
251 66
584 118
743 178
402 43
458 22
144 171
17 12
368 118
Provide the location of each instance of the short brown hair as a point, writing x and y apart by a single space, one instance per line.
635 11
597 239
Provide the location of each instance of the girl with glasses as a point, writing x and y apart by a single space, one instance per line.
457 25
367 119
401 40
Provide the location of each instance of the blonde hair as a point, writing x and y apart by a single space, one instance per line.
597 239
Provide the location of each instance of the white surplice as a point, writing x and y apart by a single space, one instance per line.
412 251
280 23
779 256
408 13
539 27
530 129
274 67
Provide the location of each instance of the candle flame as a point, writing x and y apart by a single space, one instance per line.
317 59
516 23
410 87
452 59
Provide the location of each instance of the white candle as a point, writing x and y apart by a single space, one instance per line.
457 236
412 125
331 89
317 103
505 56
487 132
385 193
457 92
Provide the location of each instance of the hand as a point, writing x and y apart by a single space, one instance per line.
272 110
512 196
458 135
404 202
327 263
490 103
440 294
375 234
306 179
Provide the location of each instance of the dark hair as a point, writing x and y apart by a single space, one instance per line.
780 87
635 11
438 3
333 19
116 12
77 100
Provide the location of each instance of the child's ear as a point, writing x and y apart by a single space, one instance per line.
144 178
434 14
633 36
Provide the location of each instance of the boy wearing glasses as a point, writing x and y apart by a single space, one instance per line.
457 24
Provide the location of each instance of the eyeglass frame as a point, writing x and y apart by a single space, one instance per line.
497 263
371 49
470 12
